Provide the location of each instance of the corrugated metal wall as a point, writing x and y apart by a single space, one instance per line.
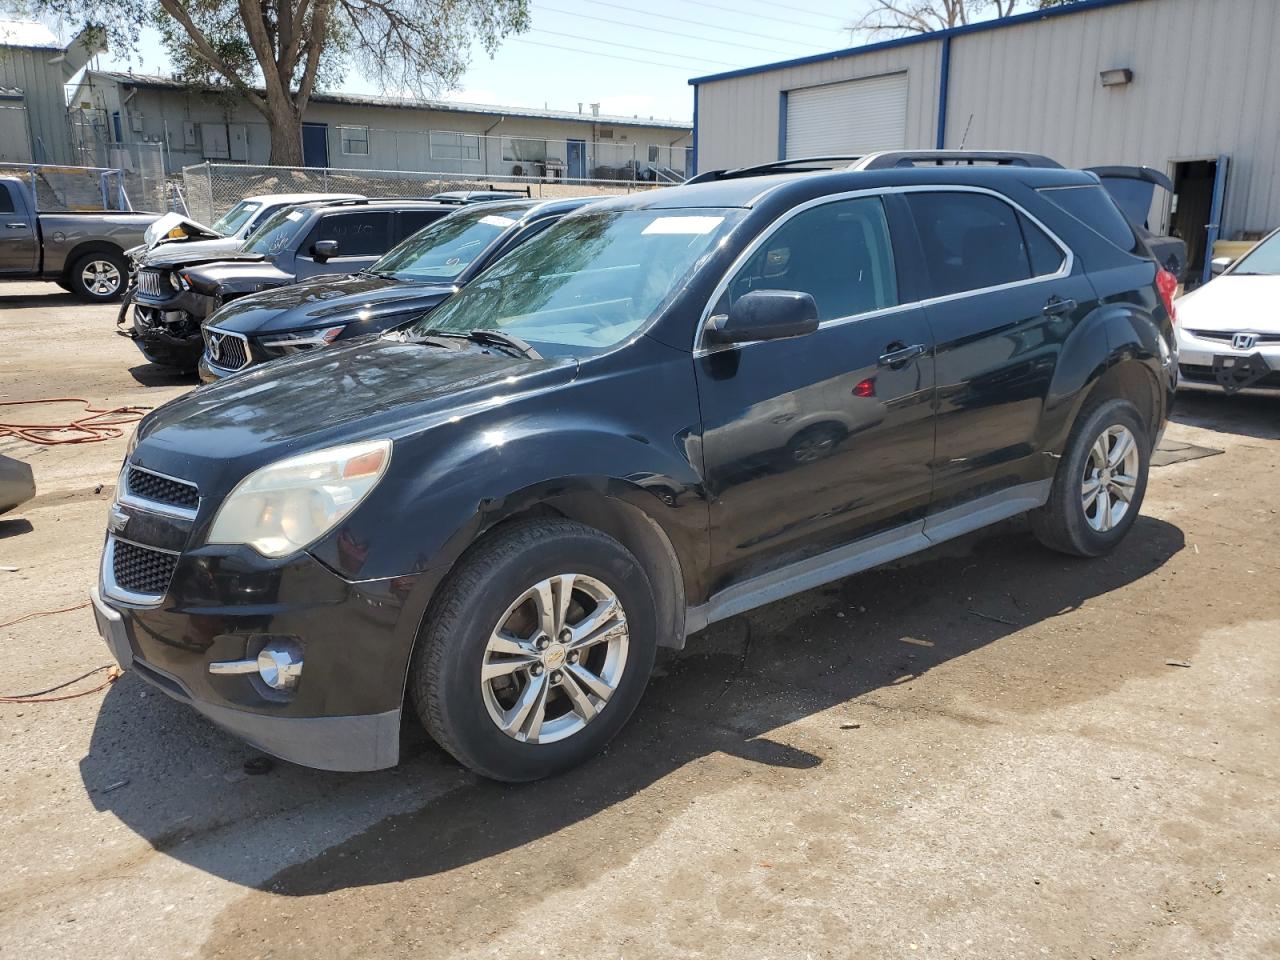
1206 82
29 70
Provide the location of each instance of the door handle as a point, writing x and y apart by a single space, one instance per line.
16 226
1056 307
899 356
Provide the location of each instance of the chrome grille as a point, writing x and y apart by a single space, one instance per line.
152 486
140 569
224 349
1226 336
152 283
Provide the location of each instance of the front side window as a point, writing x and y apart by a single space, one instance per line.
355 140
363 234
1262 261
590 281
971 241
279 232
839 253
443 250
453 146
235 218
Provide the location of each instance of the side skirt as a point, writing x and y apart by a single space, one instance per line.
867 553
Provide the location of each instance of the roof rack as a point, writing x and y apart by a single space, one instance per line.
915 158
775 166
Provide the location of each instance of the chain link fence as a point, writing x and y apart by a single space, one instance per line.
210 189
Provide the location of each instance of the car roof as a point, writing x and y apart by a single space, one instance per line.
296 198
749 191
381 203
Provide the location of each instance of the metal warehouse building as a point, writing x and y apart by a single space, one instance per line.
1186 86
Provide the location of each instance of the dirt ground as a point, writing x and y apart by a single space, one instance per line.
984 752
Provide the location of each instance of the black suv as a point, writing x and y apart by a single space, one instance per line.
175 290
667 409
417 276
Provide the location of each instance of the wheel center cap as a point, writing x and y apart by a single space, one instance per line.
554 656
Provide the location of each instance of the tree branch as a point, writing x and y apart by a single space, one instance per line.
205 51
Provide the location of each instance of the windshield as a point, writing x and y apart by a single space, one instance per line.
591 280
276 234
1262 260
444 249
236 217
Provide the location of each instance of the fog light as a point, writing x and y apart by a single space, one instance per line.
279 665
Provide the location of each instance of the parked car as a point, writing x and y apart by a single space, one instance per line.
229 232
176 292
502 512
1229 329
81 252
418 275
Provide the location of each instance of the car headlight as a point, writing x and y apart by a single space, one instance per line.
285 506
178 281
301 340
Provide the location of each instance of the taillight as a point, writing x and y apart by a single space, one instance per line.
1167 285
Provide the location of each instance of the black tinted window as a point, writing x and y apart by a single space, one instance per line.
838 252
1094 207
970 241
6 199
363 234
1046 256
409 222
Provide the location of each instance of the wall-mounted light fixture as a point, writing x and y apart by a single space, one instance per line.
1117 77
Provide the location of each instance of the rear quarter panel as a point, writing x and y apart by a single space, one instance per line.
68 235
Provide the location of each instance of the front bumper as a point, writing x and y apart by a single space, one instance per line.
357 638
1195 364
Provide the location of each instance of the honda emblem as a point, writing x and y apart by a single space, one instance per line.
1244 341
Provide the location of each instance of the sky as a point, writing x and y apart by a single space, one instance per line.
631 58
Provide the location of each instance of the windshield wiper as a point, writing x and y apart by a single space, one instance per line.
375 273
500 339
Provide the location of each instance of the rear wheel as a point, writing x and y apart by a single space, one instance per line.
1100 483
99 276
537 650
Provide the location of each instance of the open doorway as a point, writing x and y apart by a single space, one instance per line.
1191 211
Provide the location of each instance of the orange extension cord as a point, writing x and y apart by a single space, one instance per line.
99 424
40 696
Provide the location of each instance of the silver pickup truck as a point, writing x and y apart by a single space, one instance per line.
81 252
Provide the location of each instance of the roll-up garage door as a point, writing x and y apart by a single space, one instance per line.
854 117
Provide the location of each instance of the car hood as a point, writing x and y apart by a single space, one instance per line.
326 301
189 253
218 433
1231 303
239 275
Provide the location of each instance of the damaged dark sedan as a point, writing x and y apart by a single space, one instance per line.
413 278
175 291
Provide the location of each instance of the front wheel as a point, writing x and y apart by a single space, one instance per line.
98 277
536 651
1100 483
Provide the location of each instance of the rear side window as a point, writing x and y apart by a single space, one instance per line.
409 222
838 252
1094 207
363 234
6 199
971 241
1045 255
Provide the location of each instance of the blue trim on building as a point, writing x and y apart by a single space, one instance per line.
944 78
782 125
693 160
1080 6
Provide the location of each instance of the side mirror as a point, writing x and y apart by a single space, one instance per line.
322 250
1219 265
765 315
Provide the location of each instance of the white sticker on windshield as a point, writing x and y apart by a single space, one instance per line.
694 226
494 220
294 215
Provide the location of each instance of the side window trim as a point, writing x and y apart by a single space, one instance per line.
1065 270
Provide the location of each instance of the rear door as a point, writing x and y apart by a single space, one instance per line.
816 441
1004 296
19 245
363 235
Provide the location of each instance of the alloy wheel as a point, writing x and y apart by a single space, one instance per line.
1110 478
555 658
101 278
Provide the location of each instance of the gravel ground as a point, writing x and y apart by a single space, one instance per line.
983 752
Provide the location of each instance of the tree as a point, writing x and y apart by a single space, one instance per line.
274 53
905 17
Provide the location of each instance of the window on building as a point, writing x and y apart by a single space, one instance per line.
453 146
839 253
515 149
971 241
355 140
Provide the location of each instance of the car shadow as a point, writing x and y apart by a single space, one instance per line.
732 696
157 375
14 526
1246 416
55 296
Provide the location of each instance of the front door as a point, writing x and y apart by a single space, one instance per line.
17 235
1002 305
315 144
814 442
576 159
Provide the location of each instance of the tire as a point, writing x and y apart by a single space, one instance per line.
64 284
815 442
464 713
111 273
1069 522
